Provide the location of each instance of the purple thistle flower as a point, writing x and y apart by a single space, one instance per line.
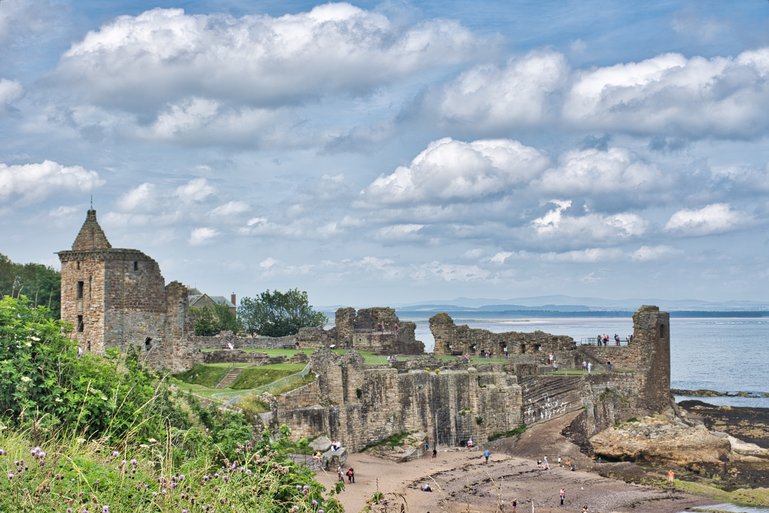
10 475
105 509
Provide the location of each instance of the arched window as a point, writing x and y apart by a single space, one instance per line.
147 344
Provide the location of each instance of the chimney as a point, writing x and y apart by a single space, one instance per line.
234 299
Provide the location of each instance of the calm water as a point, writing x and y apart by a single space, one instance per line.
723 354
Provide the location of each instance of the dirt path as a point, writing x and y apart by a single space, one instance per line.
461 482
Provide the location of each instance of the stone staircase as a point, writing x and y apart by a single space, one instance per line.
229 378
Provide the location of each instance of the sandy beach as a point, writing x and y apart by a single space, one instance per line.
461 482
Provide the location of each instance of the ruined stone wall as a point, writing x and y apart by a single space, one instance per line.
361 405
453 339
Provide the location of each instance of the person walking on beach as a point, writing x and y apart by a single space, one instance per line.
340 473
514 504
486 455
562 495
584 509
350 475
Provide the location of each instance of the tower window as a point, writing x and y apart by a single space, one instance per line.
147 344
80 286
662 330
136 265
78 265
80 324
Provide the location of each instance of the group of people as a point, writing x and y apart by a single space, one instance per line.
350 474
603 340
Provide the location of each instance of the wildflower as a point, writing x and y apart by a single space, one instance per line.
2 452
115 454
314 502
133 462
10 475
105 509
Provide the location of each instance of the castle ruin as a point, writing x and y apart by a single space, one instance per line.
118 298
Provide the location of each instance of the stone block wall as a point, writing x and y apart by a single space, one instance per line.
360 405
453 339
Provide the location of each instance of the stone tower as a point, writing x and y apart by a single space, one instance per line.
118 298
651 340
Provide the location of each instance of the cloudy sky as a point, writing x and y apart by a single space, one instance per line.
382 153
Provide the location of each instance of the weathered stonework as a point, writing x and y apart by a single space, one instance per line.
118 298
454 401
453 339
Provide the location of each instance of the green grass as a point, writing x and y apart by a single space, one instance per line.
254 377
507 434
749 497
204 375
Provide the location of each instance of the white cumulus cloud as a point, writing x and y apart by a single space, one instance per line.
711 219
202 235
162 54
194 191
490 97
454 170
594 172
28 183
556 224
672 94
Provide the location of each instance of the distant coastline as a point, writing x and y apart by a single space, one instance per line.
547 313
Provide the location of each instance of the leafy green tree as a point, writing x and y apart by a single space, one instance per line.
277 314
213 319
41 284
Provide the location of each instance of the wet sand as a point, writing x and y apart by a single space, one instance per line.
461 482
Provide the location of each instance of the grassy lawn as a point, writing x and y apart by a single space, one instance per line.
254 377
204 375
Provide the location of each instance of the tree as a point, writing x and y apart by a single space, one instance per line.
277 314
213 319
39 283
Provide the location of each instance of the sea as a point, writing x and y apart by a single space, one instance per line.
728 354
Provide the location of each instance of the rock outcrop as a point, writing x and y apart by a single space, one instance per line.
662 439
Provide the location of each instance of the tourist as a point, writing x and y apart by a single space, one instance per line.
514 504
486 455
507 354
584 365
350 475
608 365
589 367
470 443
671 475
559 461
545 463
426 488
562 495
584 509
340 473
435 452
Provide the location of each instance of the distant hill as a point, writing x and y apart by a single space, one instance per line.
584 306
